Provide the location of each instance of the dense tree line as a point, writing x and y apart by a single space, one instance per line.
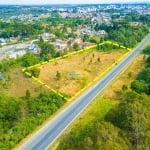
124 33
135 17
107 47
19 117
29 59
56 19
16 28
142 83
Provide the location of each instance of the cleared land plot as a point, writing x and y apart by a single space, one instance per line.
71 74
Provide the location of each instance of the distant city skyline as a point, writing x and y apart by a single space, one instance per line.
69 1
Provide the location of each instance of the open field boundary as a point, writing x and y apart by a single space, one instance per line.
25 70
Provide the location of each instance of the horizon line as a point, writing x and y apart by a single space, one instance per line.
140 2
79 3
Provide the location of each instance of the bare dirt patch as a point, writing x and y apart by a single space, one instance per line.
76 71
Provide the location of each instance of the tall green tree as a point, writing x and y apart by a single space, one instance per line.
100 136
29 59
132 116
47 50
140 86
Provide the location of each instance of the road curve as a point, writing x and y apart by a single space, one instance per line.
44 138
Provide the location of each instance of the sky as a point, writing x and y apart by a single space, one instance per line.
67 1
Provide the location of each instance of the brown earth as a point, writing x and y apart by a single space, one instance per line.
87 65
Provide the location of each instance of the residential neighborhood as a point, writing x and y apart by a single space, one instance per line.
95 15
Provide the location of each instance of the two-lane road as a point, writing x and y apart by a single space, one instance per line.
50 132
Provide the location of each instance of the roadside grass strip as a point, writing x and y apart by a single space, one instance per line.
101 74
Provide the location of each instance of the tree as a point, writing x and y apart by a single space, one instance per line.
86 38
46 49
98 59
108 137
89 144
145 75
9 112
58 75
27 94
29 59
148 61
140 86
146 50
124 87
75 46
35 72
97 27
132 116
99 136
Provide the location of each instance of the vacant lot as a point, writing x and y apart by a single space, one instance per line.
18 83
71 74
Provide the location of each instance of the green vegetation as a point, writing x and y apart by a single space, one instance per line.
139 86
100 136
58 75
132 117
94 132
9 112
6 65
19 117
125 34
47 50
125 126
135 17
146 50
108 47
142 83
29 59
75 46
16 29
35 72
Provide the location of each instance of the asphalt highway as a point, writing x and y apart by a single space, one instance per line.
46 136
